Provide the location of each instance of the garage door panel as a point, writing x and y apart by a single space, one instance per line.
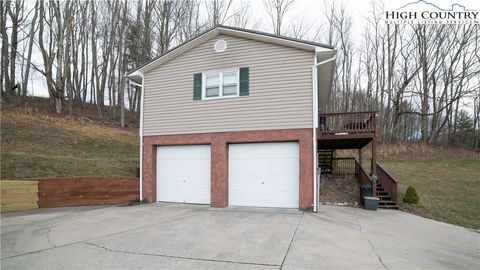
265 150
182 152
263 199
264 175
179 168
274 167
183 174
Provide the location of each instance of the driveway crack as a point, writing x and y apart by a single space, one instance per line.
291 240
98 237
378 255
358 221
176 257
48 237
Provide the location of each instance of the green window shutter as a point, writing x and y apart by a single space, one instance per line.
244 81
197 86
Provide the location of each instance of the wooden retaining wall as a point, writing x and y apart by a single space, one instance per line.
18 195
55 192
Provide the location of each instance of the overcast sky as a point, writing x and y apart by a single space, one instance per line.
310 10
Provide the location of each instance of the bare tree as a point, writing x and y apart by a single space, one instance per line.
54 51
300 28
277 9
218 11
241 17
31 38
5 5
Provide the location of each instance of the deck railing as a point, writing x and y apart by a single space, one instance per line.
343 166
387 181
347 122
361 174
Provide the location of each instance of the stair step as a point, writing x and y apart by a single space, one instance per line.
384 197
380 189
388 206
387 202
382 193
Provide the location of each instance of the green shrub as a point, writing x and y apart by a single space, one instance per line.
411 196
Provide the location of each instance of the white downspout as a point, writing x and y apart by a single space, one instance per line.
141 138
140 133
315 126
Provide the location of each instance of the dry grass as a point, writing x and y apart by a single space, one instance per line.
82 112
421 151
37 145
449 188
414 151
446 179
340 189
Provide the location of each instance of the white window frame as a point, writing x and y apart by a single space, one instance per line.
220 72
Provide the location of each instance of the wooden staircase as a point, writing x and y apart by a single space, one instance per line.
386 201
325 160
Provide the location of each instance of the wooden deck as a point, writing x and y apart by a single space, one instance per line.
347 130
354 130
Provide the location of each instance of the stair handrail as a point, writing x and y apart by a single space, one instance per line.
388 182
362 175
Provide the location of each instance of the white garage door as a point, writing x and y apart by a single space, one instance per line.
263 175
183 174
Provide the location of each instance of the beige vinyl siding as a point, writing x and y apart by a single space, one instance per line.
280 90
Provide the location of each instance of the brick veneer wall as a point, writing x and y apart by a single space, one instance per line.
219 160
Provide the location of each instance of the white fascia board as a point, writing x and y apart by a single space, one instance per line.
267 39
320 50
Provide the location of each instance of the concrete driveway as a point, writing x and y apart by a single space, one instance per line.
193 237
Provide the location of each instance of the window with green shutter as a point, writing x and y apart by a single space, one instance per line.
232 82
197 86
244 81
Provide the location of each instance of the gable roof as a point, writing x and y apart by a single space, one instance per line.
232 31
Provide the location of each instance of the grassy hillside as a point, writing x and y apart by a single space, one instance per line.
37 145
447 181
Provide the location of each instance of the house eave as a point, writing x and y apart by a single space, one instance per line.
136 76
232 31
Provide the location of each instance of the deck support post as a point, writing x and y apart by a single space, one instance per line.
373 165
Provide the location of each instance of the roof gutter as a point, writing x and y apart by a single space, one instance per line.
316 173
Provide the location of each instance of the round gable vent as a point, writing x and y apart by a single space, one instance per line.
220 45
